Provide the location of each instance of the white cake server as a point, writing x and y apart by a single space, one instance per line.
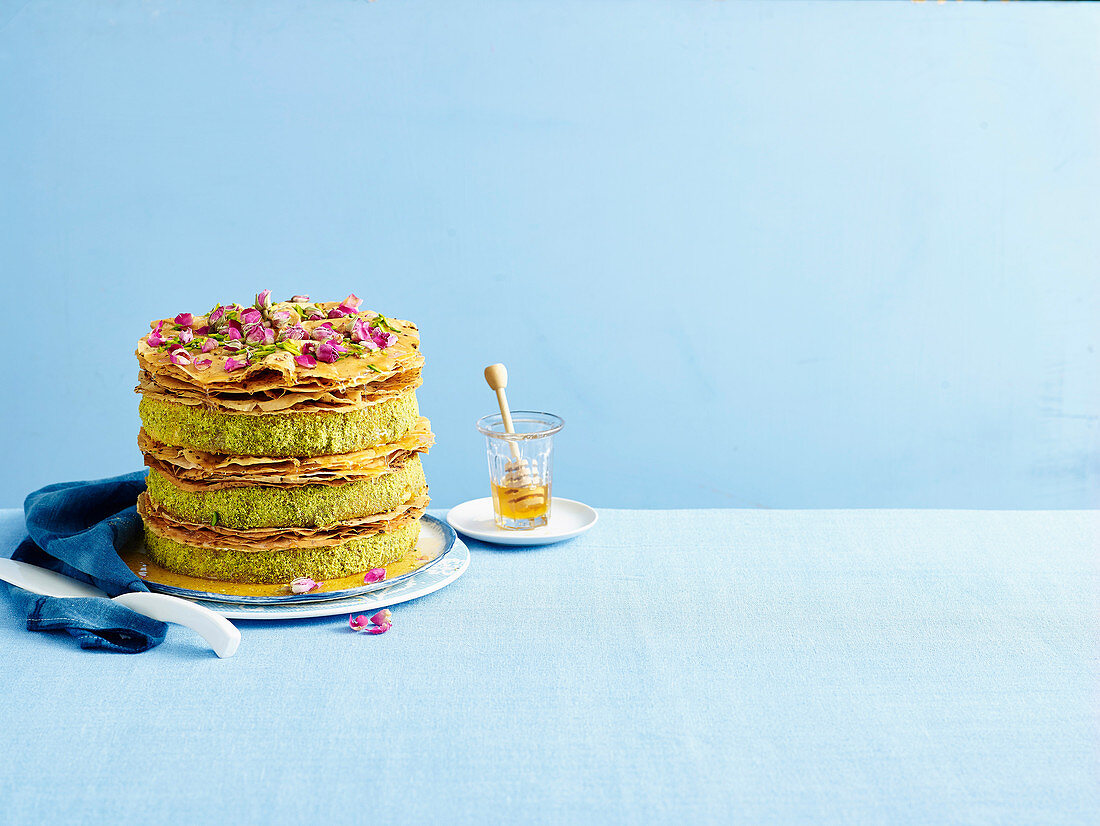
219 632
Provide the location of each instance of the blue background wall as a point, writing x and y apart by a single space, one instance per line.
782 255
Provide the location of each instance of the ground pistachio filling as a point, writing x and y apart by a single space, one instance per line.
327 562
298 506
279 434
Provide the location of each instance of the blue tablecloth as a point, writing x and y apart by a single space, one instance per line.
671 666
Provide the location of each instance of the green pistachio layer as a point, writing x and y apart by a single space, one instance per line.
303 506
330 562
279 434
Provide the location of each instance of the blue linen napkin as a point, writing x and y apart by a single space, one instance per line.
77 529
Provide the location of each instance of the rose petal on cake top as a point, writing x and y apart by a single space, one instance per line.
217 315
233 334
281 318
326 352
202 364
251 316
154 339
180 358
323 331
360 332
254 334
208 344
353 301
305 361
299 299
184 319
382 338
186 336
303 585
374 575
294 332
263 299
232 364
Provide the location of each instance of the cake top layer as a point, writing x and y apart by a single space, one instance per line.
281 344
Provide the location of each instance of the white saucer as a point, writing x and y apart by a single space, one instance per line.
567 519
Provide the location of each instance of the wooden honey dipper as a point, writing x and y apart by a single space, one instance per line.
517 473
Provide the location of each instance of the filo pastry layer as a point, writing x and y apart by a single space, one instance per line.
198 470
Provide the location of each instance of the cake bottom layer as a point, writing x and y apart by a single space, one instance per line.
321 563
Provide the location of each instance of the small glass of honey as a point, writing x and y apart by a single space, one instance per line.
520 466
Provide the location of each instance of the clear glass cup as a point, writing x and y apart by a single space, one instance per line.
520 467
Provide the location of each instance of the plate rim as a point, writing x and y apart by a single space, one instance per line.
283 600
500 537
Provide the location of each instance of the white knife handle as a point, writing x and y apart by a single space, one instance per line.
222 635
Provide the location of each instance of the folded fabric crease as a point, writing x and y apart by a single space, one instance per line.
77 529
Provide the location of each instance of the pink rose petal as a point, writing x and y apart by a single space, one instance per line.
303 585
327 352
294 332
203 330
232 364
382 338
281 318
305 361
202 364
216 315
186 336
251 316
263 299
233 334
254 334
360 332
358 623
208 344
383 617
180 357
323 331
299 299
316 317
352 301
184 319
374 575
380 629
154 340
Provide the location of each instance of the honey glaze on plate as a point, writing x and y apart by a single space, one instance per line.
146 569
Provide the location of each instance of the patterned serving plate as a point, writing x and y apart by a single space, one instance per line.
433 566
